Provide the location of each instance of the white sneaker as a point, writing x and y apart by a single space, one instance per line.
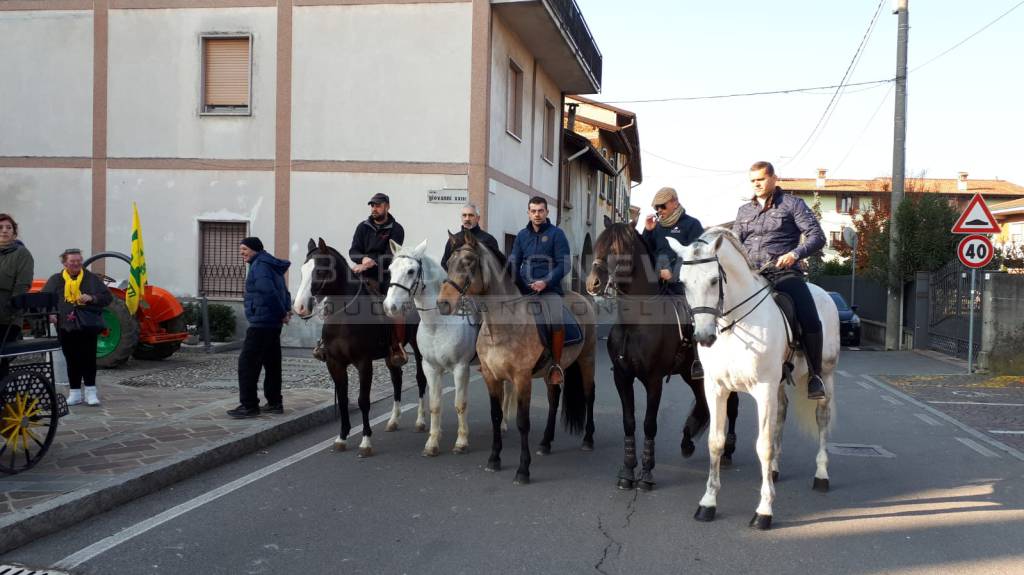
90 396
75 397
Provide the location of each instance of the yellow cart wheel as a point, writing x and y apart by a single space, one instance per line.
28 420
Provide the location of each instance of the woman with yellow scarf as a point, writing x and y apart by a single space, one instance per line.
82 297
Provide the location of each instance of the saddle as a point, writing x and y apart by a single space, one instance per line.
573 331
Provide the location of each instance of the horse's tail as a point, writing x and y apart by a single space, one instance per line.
807 409
574 401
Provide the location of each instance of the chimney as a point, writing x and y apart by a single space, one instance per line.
961 182
820 182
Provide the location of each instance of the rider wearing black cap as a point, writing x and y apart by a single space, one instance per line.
770 227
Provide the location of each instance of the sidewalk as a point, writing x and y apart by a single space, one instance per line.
159 423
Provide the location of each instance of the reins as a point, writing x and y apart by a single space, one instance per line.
719 311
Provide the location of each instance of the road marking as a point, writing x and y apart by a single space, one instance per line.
927 419
1006 432
865 385
977 403
843 373
977 447
104 545
948 419
892 400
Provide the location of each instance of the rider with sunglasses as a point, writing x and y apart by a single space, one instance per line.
671 221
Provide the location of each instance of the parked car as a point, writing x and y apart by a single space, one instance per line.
849 321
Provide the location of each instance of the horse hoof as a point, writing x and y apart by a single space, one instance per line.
587 446
688 448
643 485
626 484
340 445
775 477
544 450
521 478
460 449
725 460
761 522
391 426
493 465
365 451
420 427
431 452
820 485
705 514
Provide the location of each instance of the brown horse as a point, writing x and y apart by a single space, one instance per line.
510 349
644 344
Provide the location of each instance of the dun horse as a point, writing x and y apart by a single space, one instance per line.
744 345
643 345
510 350
355 332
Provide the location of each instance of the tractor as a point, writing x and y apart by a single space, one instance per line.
155 332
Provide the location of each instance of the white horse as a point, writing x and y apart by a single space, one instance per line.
744 342
447 342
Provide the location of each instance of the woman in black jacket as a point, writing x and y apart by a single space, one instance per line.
82 297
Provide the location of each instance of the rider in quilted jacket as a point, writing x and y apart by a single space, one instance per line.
771 226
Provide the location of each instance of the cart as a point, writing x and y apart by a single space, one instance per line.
30 406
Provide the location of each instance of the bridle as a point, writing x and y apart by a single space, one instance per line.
417 283
718 311
469 279
319 286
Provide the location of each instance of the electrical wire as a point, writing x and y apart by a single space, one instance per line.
964 41
745 94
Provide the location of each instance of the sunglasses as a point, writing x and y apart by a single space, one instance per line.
660 206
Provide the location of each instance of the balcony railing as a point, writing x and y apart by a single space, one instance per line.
576 27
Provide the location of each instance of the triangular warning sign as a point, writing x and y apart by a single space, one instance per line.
976 219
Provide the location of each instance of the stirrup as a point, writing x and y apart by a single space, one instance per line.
815 387
555 368
319 352
398 356
697 370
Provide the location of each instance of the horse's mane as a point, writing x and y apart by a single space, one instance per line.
618 238
712 235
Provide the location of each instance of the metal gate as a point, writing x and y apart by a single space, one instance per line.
950 303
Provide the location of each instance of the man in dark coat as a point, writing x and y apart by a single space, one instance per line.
670 220
267 308
371 254
540 258
779 228
471 224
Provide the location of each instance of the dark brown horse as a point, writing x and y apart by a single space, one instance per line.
644 344
356 332
510 349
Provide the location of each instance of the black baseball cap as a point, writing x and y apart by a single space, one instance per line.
379 198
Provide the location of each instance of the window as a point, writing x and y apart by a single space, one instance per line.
221 270
1017 234
836 240
844 204
227 66
550 124
510 240
514 121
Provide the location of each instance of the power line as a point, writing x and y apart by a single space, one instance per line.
698 168
842 83
964 41
744 94
867 125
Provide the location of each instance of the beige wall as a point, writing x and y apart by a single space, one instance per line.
53 211
155 78
171 204
382 82
545 173
45 93
508 154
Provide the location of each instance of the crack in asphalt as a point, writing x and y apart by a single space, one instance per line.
631 508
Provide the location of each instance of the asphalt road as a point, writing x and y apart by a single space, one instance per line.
940 501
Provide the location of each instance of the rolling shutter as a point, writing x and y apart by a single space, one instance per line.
226 67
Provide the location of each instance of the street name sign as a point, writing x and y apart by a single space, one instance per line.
976 219
975 251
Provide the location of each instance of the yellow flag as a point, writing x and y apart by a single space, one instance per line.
137 277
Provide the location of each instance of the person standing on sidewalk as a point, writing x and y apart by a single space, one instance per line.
16 269
267 308
81 297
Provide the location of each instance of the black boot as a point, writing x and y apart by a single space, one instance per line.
696 370
812 349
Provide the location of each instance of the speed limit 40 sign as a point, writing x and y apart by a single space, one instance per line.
975 251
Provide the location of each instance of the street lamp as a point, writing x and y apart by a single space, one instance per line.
850 237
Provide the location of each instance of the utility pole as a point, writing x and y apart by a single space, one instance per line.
893 319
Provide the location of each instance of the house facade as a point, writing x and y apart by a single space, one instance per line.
1010 217
280 119
601 147
841 199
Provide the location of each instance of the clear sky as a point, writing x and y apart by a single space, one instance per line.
965 110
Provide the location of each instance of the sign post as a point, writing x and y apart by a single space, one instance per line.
974 251
850 237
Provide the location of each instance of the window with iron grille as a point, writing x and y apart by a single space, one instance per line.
221 269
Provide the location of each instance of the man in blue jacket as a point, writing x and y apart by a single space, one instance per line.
540 258
267 307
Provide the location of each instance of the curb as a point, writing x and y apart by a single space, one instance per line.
27 525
